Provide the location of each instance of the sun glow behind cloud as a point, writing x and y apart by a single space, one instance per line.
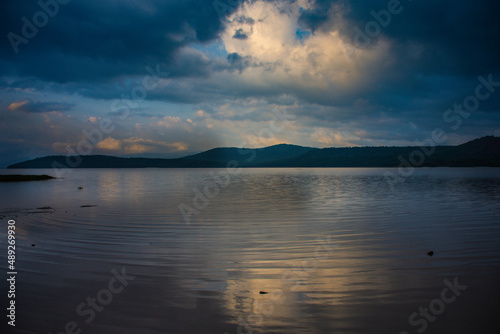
318 62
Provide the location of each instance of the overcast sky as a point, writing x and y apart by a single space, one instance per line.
169 78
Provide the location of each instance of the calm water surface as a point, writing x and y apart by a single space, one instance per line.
336 250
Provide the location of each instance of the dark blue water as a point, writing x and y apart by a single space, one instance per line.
191 250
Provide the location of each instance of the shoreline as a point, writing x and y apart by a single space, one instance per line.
24 178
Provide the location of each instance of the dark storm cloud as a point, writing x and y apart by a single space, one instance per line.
457 37
244 20
238 61
96 41
93 42
240 34
315 17
439 49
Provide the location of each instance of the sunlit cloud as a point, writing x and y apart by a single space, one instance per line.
320 61
14 106
30 106
325 137
136 145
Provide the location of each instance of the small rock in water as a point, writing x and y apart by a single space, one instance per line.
32 245
430 253
263 292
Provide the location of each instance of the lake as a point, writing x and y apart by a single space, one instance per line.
254 251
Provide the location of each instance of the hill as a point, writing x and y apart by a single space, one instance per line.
251 157
483 151
217 157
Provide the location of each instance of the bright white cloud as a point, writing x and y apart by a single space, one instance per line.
321 61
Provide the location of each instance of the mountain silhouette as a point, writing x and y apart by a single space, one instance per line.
483 151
